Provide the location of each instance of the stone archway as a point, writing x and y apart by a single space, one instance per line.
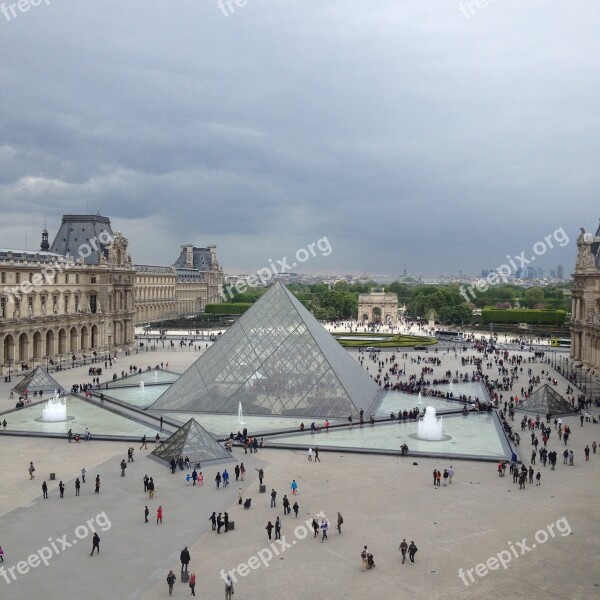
62 341
73 340
50 349
9 348
23 347
94 343
84 338
376 314
37 345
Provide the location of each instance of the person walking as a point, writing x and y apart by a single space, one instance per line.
237 472
317 454
324 528
83 474
450 474
171 581
277 528
315 526
538 478
61 489
31 471
571 458
243 472
45 490
296 508
587 453
146 513
77 486
185 558
594 446
97 490
403 549
144 443
151 488
123 467
340 520
225 478
273 497
146 480
159 515
286 505
240 496
218 479
95 543
130 455
228 587
294 487
192 583
269 529
412 550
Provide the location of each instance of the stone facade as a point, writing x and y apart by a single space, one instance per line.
378 307
585 306
70 299
82 294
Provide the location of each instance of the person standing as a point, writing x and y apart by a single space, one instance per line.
213 520
243 472
130 455
412 550
146 480
587 453
219 523
157 440
237 472
146 513
97 490
70 435
95 543
363 556
571 458
309 455
228 587
192 583
123 467
45 490
315 526
151 488
185 558
226 521
273 497
538 478
159 515
31 471
77 486
403 549
340 520
83 472
286 505
277 529
324 528
1 555
171 581
218 479
261 475
445 476
269 529
240 496
61 489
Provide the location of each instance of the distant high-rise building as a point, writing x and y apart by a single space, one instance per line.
559 272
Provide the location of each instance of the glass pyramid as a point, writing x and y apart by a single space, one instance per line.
546 399
277 359
194 441
38 380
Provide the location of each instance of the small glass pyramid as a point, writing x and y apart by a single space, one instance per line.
544 400
38 380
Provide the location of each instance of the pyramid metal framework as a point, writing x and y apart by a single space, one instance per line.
193 441
39 380
546 399
277 359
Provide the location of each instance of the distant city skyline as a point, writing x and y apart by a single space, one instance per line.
405 133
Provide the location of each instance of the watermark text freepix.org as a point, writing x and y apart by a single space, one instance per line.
503 272
264 275
266 555
516 550
60 264
54 548
11 10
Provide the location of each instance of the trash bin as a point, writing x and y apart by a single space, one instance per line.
262 489
185 577
231 526
52 476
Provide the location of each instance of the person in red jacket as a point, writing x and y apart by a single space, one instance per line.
193 583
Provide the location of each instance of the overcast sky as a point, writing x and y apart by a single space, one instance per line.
410 133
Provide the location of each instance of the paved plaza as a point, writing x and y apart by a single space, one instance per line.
546 536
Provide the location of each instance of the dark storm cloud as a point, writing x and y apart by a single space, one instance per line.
405 132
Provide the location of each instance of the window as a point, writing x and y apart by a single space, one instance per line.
3 307
3 277
66 278
77 278
93 303
93 279
17 277
30 277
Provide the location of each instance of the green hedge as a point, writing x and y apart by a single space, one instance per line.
523 315
229 308
396 341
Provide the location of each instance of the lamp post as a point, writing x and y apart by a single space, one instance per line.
9 364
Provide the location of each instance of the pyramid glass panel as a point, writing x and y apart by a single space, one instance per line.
277 359
193 441
546 399
38 380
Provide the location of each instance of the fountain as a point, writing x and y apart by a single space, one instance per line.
419 401
240 415
429 427
155 375
141 386
55 410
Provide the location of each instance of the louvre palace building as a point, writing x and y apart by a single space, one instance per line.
82 295
585 310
